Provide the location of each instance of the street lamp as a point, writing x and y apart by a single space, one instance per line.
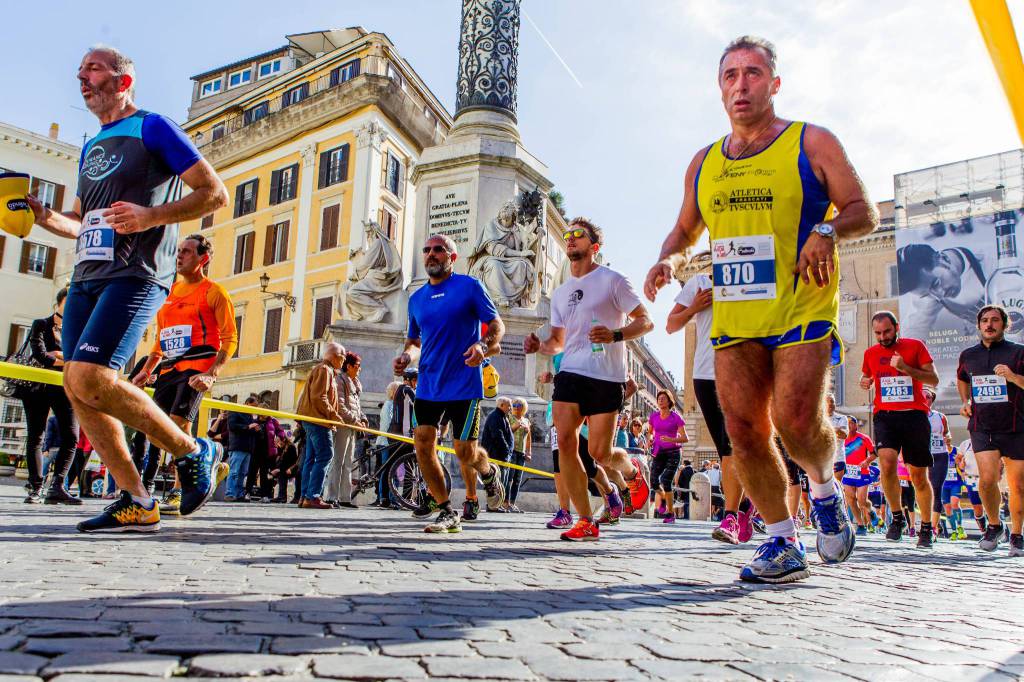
288 299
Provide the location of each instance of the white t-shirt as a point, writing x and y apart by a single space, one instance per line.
704 357
840 422
715 476
938 435
970 461
606 296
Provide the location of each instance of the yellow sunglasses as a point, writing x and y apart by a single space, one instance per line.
575 234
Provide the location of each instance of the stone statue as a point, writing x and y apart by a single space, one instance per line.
375 270
505 256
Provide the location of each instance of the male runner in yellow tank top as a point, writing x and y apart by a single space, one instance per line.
765 193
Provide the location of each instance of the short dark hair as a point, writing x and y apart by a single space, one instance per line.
351 359
991 306
667 394
61 295
749 42
596 233
911 261
205 246
885 315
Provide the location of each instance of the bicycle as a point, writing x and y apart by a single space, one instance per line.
402 473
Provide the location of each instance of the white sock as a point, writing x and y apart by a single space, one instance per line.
146 502
820 491
782 529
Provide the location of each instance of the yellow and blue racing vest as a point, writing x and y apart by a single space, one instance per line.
759 211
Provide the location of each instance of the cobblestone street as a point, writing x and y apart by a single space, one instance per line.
282 593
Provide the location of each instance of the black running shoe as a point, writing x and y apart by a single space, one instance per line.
924 538
470 510
446 522
125 515
427 507
58 494
994 535
895 532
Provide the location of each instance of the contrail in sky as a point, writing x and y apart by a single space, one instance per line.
552 47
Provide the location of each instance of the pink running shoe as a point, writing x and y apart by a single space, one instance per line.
728 532
669 518
563 519
746 525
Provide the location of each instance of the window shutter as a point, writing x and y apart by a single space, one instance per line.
325 163
305 90
238 332
294 187
272 336
329 227
25 249
354 71
255 194
51 262
343 175
250 246
239 252
239 193
283 228
321 316
268 245
207 222
12 340
401 180
335 77
384 159
33 187
275 187
58 198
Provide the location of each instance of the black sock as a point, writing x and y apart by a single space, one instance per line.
745 505
445 506
898 516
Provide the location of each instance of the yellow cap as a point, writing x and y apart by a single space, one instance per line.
16 216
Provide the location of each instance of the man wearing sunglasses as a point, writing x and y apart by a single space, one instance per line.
592 314
445 315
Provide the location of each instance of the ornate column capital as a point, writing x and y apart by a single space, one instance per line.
488 56
308 154
371 134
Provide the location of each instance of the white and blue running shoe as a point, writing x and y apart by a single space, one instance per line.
836 536
777 561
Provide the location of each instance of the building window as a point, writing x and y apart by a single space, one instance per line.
218 131
37 259
238 332
210 87
17 336
239 78
244 244
345 72
207 222
839 384
255 113
333 166
389 223
245 197
329 224
284 184
894 288
268 69
275 248
394 174
295 95
46 192
394 75
272 334
322 308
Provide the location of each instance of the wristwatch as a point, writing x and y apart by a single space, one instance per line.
617 336
483 348
825 230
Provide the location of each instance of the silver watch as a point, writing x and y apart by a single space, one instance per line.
825 230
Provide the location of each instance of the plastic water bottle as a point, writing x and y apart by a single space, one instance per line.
596 348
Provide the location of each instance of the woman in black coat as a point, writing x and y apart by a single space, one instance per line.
39 400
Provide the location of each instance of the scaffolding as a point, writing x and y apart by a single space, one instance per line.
954 192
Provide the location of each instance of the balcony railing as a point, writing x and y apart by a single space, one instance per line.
305 353
341 76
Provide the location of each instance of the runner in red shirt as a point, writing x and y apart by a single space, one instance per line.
899 368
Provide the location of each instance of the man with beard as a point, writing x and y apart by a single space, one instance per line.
445 315
125 220
899 368
990 380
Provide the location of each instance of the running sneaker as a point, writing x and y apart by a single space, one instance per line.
994 535
196 473
35 495
926 538
745 525
514 509
470 510
669 518
961 534
613 504
562 519
728 531
606 518
912 532
495 490
172 502
836 537
124 516
639 489
895 531
777 561
1017 545
862 531
427 507
447 521
585 530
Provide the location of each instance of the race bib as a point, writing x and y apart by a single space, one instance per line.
899 389
96 238
744 268
852 471
951 474
174 341
989 388
938 443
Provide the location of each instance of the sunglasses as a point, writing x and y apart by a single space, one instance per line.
436 248
578 233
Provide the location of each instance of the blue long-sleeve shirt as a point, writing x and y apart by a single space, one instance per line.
51 437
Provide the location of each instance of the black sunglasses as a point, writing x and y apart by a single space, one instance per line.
436 248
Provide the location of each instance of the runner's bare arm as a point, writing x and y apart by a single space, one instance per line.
681 315
964 389
67 224
492 339
553 345
688 228
409 355
142 378
639 324
208 194
857 215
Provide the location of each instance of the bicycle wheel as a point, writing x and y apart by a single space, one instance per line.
405 480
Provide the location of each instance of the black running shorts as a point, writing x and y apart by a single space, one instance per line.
594 396
1009 445
906 431
463 414
175 397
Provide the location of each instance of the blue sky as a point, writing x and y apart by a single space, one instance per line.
904 85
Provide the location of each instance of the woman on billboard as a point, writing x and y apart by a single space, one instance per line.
951 280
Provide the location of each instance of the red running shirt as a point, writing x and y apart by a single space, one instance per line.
896 390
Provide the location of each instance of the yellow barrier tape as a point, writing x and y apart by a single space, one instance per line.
48 376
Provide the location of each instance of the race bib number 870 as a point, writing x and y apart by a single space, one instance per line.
744 268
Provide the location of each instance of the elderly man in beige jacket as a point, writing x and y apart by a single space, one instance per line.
319 399
338 490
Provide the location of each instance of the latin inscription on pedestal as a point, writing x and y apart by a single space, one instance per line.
511 364
449 211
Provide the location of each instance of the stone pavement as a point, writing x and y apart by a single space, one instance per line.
281 593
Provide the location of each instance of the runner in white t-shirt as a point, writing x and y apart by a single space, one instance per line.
841 425
592 313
